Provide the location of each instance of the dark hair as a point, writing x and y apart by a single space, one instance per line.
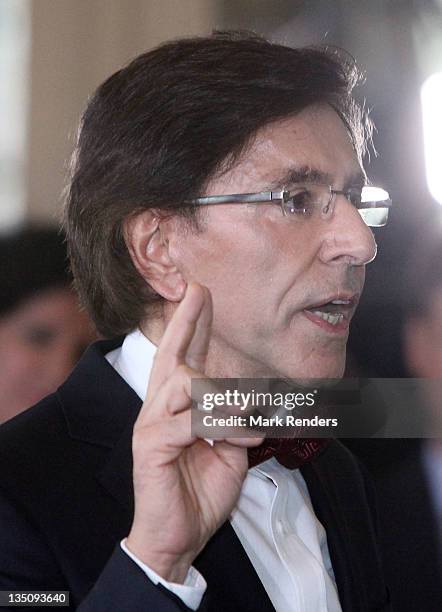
32 259
156 131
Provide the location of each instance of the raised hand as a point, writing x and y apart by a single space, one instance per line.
184 487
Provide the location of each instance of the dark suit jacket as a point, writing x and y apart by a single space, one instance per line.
67 501
409 539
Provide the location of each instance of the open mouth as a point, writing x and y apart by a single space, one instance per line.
335 313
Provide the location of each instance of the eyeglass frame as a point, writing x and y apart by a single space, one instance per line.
284 195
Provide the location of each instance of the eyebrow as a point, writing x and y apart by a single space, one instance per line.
307 174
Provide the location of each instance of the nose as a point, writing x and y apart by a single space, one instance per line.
347 239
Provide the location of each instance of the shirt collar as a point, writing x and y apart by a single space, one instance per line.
133 361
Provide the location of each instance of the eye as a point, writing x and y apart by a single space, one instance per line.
39 336
299 202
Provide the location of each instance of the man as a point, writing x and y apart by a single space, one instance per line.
124 507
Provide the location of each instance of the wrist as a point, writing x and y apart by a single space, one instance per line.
172 568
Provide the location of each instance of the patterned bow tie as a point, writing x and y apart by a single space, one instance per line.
289 452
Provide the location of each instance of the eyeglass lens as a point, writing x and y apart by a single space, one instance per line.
307 200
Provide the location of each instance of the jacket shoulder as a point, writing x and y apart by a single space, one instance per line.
39 456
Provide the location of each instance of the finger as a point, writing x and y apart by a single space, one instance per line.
216 426
246 442
177 337
227 450
199 346
173 396
161 443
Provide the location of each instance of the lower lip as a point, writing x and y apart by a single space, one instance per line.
340 329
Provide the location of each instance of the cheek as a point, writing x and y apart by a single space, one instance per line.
14 356
222 257
20 376
254 269
240 275
21 363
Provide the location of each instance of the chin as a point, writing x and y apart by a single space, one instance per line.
334 371
318 371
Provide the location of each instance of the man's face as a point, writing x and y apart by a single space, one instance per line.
269 275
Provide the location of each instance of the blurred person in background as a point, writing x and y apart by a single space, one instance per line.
408 472
43 332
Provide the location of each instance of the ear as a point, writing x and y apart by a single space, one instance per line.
148 247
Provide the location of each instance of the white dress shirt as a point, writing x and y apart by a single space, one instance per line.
273 519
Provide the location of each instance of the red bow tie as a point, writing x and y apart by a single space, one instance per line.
290 452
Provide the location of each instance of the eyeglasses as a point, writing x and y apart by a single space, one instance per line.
309 200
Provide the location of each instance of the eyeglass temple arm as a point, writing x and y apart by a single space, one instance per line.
262 196
270 196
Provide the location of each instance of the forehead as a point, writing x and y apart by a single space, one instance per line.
314 142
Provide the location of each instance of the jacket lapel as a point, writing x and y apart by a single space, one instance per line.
100 408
